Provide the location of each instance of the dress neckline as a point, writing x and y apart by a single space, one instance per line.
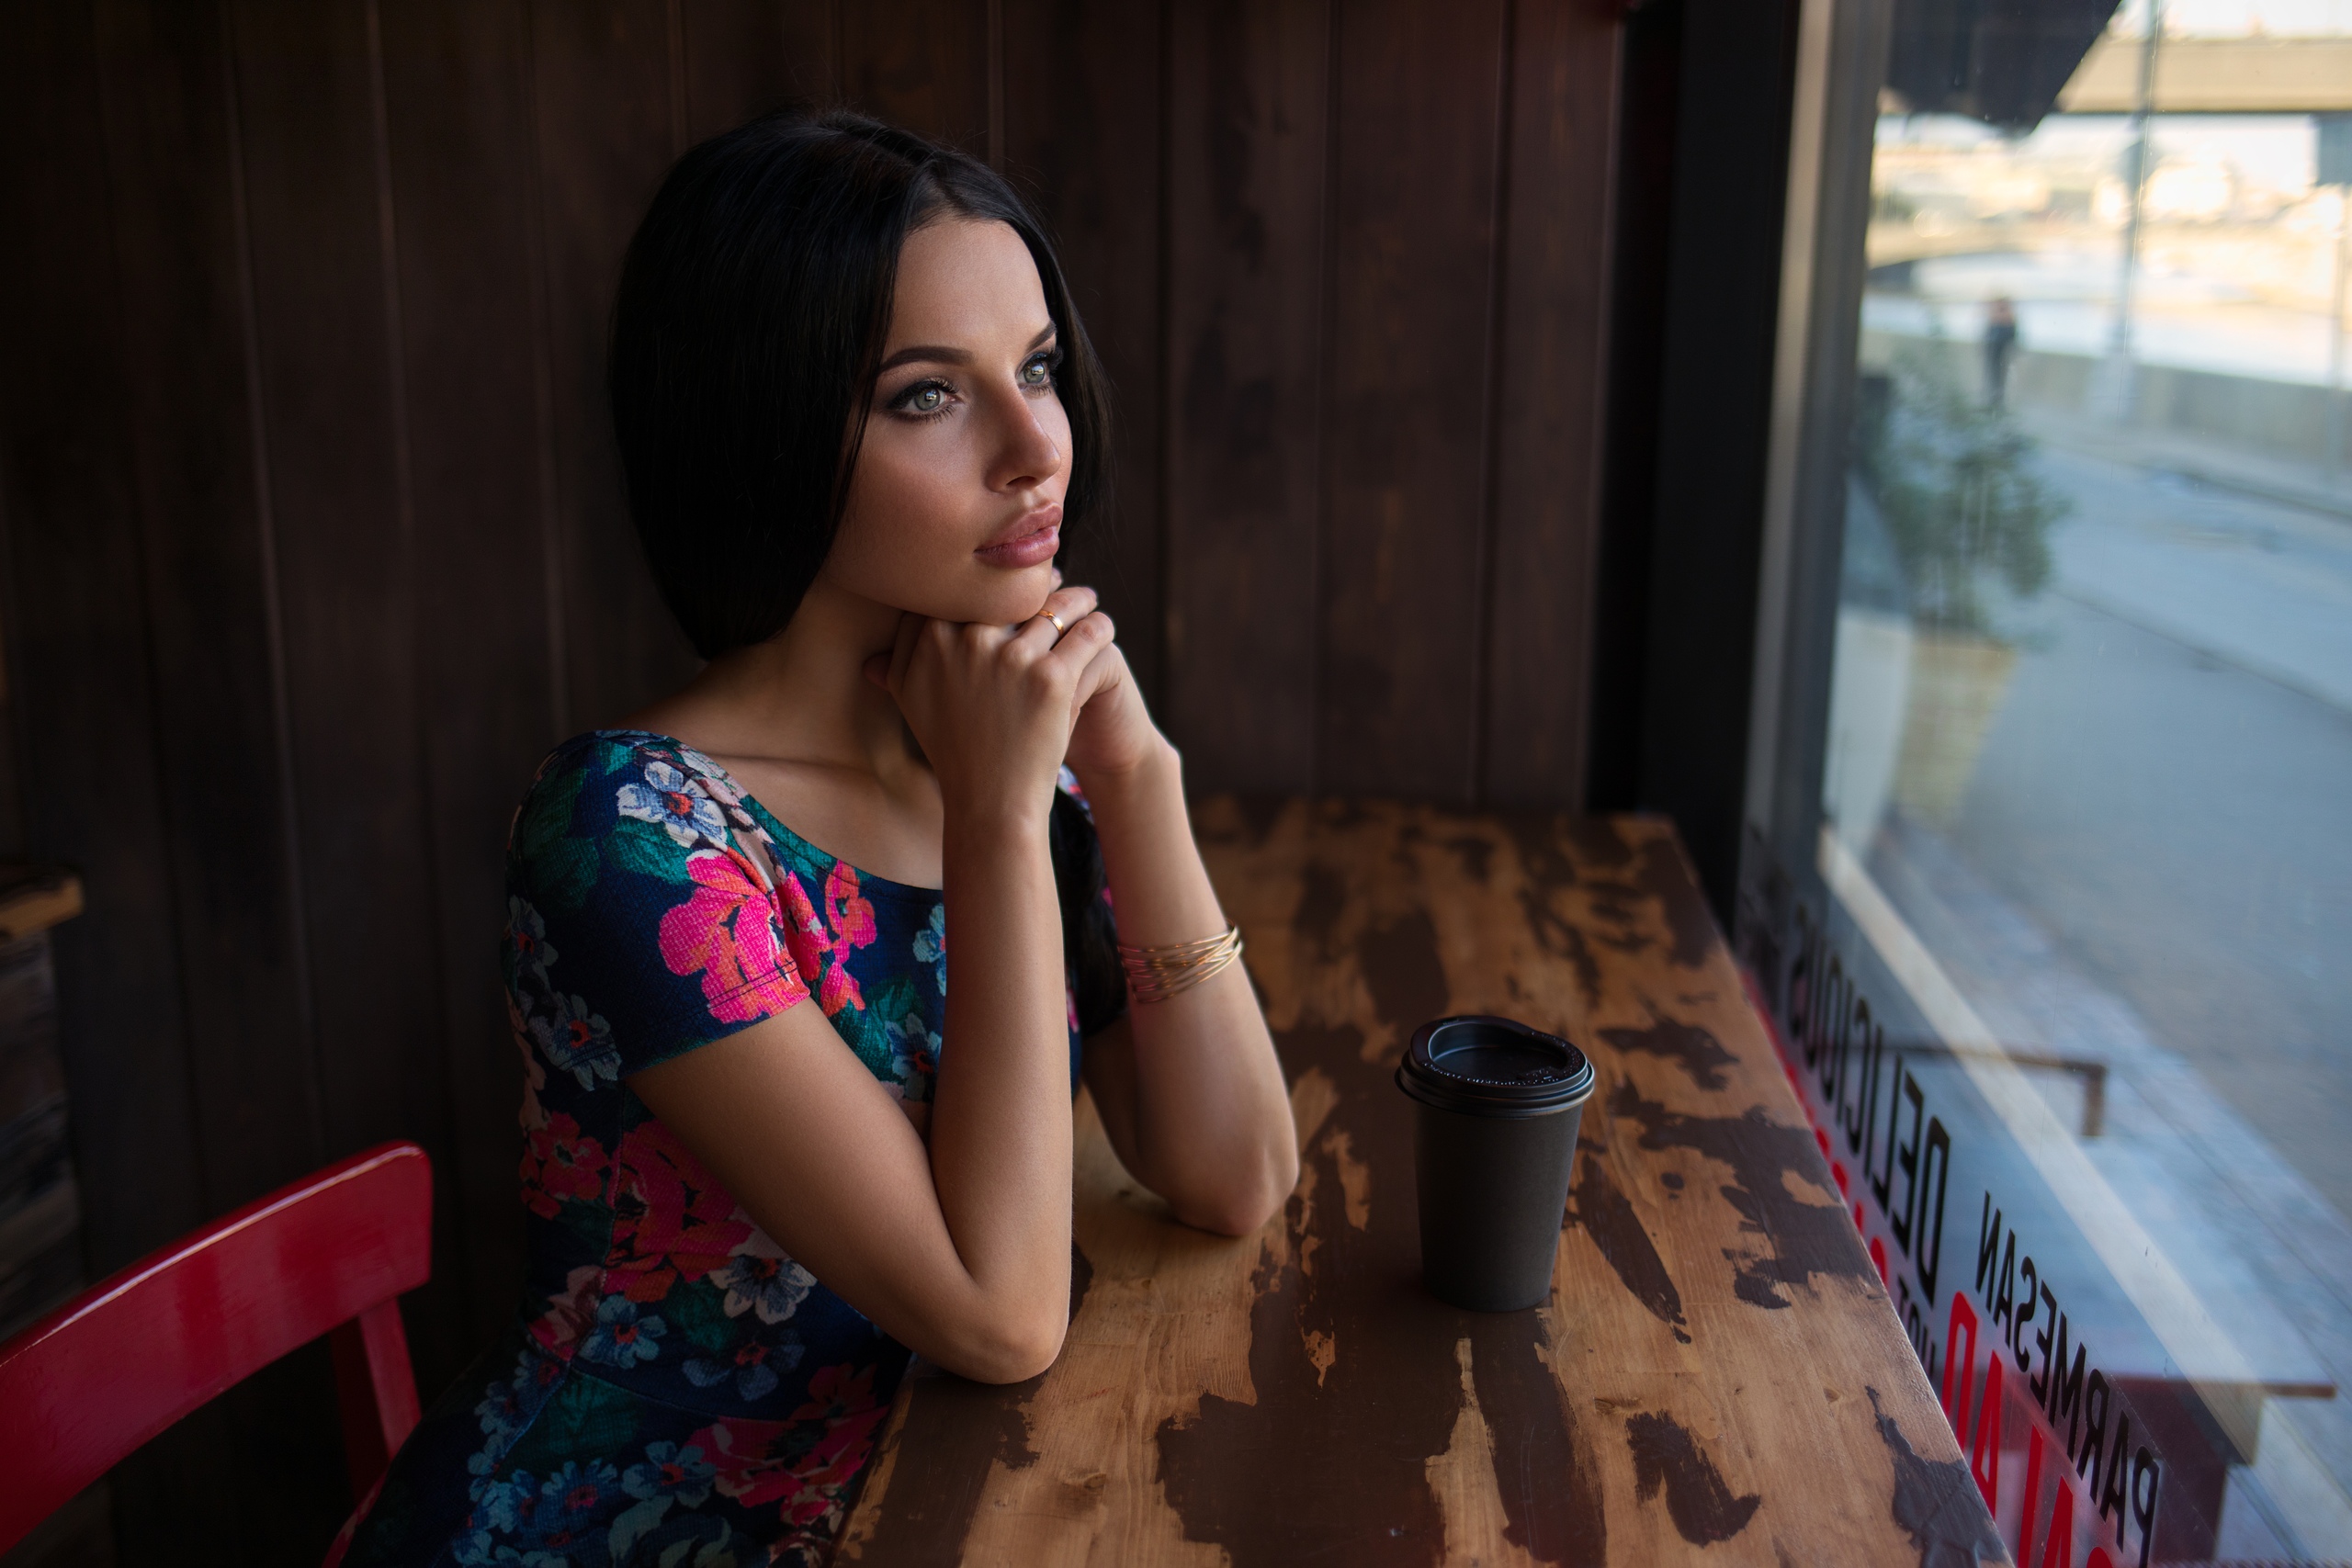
869 882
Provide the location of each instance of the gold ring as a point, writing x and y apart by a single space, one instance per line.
1058 627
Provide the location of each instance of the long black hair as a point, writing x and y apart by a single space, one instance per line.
754 306
755 303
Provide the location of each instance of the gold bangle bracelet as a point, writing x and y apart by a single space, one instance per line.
1157 974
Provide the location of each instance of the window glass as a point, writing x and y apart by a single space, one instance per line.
2070 994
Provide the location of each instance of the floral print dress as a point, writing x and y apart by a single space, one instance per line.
676 1391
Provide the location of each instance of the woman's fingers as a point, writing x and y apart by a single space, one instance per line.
1104 670
1078 645
1064 608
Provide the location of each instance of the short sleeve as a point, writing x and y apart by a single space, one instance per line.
636 928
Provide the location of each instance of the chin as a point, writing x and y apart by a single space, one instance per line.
1012 597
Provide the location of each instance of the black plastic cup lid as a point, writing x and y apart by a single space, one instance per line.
1493 1067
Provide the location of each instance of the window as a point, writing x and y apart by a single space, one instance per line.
2049 888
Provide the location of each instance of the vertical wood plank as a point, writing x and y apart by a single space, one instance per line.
458 126
736 64
1082 121
812 50
1247 157
1414 111
210 611
172 134
326 311
922 66
600 80
76 622
1548 407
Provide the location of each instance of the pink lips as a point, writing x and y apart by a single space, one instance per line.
1030 542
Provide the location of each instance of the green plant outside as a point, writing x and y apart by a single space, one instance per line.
1954 480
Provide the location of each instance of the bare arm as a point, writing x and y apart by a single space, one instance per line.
960 1252
1190 1091
960 1249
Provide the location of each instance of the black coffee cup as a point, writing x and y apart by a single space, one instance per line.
1497 1106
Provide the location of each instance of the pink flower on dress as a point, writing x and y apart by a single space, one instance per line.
558 1162
843 1400
763 1463
850 916
819 948
851 912
673 1220
727 933
572 1313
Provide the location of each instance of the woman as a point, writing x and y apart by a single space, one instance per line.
770 1150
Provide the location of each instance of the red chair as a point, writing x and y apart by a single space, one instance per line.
129 1356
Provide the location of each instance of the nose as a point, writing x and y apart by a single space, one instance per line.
1027 454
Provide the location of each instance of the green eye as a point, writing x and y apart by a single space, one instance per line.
927 400
1037 373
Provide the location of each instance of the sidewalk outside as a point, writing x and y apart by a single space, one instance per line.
2205 459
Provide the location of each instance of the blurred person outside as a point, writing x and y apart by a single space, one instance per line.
2000 346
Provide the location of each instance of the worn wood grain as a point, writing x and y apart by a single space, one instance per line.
735 62
213 624
1415 115
69 504
1247 154
1718 1376
331 373
609 121
1081 118
1551 356
214 638
459 142
812 50
924 66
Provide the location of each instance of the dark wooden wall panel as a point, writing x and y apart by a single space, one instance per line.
170 88
1553 350
1081 113
811 31
211 593
77 623
457 156
925 64
733 63
325 322
607 134
1417 117
1248 150
316 541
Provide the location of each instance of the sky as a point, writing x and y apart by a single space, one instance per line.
2237 18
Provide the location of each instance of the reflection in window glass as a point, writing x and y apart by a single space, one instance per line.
2079 1004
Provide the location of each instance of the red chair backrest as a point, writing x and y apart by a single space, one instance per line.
121 1362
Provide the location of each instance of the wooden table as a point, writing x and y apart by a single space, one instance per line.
1718 1377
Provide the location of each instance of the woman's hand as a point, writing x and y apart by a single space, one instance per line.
994 706
1112 734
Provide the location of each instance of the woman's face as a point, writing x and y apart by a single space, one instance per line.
955 507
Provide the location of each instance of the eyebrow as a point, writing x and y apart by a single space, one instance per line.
937 353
